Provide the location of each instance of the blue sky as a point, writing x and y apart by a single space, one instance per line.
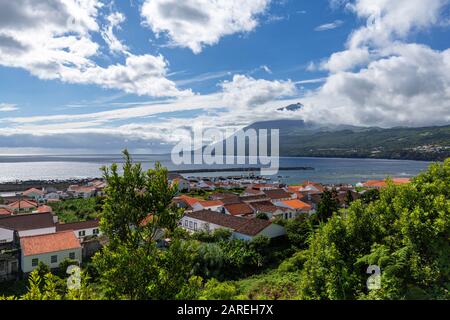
134 71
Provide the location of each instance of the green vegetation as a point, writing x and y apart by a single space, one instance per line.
405 230
75 210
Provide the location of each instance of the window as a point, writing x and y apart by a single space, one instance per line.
185 223
190 224
81 233
95 231
54 259
35 262
2 266
195 226
72 256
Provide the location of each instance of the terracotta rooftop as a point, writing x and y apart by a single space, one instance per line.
23 204
239 209
250 227
44 209
5 212
383 183
189 200
33 190
296 204
48 243
211 203
266 207
277 194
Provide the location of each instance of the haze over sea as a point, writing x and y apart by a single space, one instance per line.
326 170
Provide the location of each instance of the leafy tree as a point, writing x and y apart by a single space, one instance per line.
349 198
137 210
327 206
406 233
262 216
370 196
298 231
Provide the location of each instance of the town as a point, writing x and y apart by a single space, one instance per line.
32 232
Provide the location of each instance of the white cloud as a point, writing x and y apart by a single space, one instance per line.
196 23
330 26
248 92
380 79
115 19
7 107
52 39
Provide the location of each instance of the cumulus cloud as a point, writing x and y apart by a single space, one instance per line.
7 107
53 39
381 79
248 92
195 23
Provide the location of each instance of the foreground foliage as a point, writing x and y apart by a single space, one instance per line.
405 230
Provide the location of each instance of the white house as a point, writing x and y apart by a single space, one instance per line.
26 225
212 205
51 249
241 228
81 229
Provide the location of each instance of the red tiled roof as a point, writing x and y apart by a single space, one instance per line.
383 183
211 203
33 190
239 209
277 194
48 243
297 204
5 212
266 207
23 204
189 200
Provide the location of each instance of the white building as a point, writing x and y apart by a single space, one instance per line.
81 229
50 249
241 228
26 225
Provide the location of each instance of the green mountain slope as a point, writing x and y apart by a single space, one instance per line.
309 140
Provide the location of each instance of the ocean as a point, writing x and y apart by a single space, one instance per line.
326 170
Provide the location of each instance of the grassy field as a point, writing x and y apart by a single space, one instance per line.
75 210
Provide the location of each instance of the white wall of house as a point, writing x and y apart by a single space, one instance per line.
198 207
26 262
82 233
36 232
192 224
6 235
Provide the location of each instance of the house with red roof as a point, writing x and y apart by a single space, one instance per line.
5 211
239 209
294 208
380 184
212 205
50 249
34 194
23 206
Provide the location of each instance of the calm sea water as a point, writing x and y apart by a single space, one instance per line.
326 170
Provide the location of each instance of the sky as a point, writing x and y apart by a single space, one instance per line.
96 76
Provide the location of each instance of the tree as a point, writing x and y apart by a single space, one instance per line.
137 210
298 231
349 198
405 233
327 206
370 196
262 216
